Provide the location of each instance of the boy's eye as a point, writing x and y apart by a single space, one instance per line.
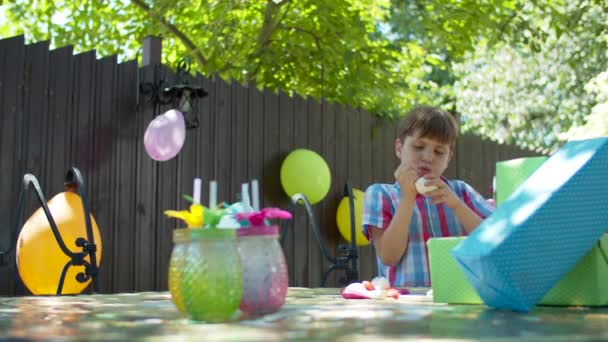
418 147
440 152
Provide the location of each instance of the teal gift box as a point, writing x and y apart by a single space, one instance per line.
584 285
549 225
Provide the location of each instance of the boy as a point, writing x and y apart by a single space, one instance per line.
398 220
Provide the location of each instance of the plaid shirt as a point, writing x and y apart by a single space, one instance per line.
428 220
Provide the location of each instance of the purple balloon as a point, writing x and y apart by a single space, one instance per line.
165 135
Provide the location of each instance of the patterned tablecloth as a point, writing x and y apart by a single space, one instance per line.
309 314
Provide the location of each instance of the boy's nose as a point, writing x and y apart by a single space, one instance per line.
427 155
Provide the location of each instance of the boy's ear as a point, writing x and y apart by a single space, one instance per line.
398 148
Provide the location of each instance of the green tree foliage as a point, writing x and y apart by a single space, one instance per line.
596 124
517 65
330 49
516 70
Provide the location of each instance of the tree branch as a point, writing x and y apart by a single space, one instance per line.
174 30
311 33
270 22
503 27
269 26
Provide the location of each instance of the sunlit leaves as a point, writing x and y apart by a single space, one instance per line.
324 49
532 91
517 65
596 124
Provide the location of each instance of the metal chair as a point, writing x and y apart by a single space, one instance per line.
347 260
74 183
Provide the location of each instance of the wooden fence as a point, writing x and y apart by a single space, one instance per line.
59 110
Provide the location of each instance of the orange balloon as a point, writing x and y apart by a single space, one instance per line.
40 260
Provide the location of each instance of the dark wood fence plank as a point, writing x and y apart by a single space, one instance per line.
239 133
255 139
59 115
188 161
486 173
469 163
81 144
125 181
167 195
205 136
11 101
388 147
271 188
342 167
367 257
341 173
57 118
101 195
299 229
355 143
377 152
79 152
223 142
286 120
314 257
327 206
287 128
35 107
147 177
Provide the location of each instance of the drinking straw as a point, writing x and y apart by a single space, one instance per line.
255 195
213 195
245 196
197 191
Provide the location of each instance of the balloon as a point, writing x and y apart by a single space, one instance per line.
165 135
306 172
343 218
40 260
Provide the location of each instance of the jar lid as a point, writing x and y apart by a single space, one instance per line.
257 231
187 234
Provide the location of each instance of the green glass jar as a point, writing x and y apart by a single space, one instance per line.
176 266
205 275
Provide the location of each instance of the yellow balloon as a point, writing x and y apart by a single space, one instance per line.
343 218
40 260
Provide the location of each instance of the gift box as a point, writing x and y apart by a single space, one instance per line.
449 283
584 285
542 230
510 174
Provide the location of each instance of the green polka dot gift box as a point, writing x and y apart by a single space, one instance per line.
542 230
584 285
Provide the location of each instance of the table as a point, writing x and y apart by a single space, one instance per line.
309 314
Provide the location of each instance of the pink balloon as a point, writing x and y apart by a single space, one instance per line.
165 135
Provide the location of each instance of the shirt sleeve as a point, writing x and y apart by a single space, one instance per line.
475 201
376 209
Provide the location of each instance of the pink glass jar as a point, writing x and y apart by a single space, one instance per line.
265 277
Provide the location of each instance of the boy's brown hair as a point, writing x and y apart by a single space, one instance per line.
429 122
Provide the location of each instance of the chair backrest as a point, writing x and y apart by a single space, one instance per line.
347 261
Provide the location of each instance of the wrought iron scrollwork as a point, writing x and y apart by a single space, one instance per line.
73 183
347 260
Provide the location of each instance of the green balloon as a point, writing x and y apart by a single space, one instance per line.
306 172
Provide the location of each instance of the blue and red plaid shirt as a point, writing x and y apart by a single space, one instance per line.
428 220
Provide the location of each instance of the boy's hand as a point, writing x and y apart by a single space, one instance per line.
443 193
406 177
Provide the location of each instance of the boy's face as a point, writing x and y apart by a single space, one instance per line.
425 155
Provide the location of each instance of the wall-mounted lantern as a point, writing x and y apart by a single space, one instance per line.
181 95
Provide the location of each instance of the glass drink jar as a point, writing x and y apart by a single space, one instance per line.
205 275
265 277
